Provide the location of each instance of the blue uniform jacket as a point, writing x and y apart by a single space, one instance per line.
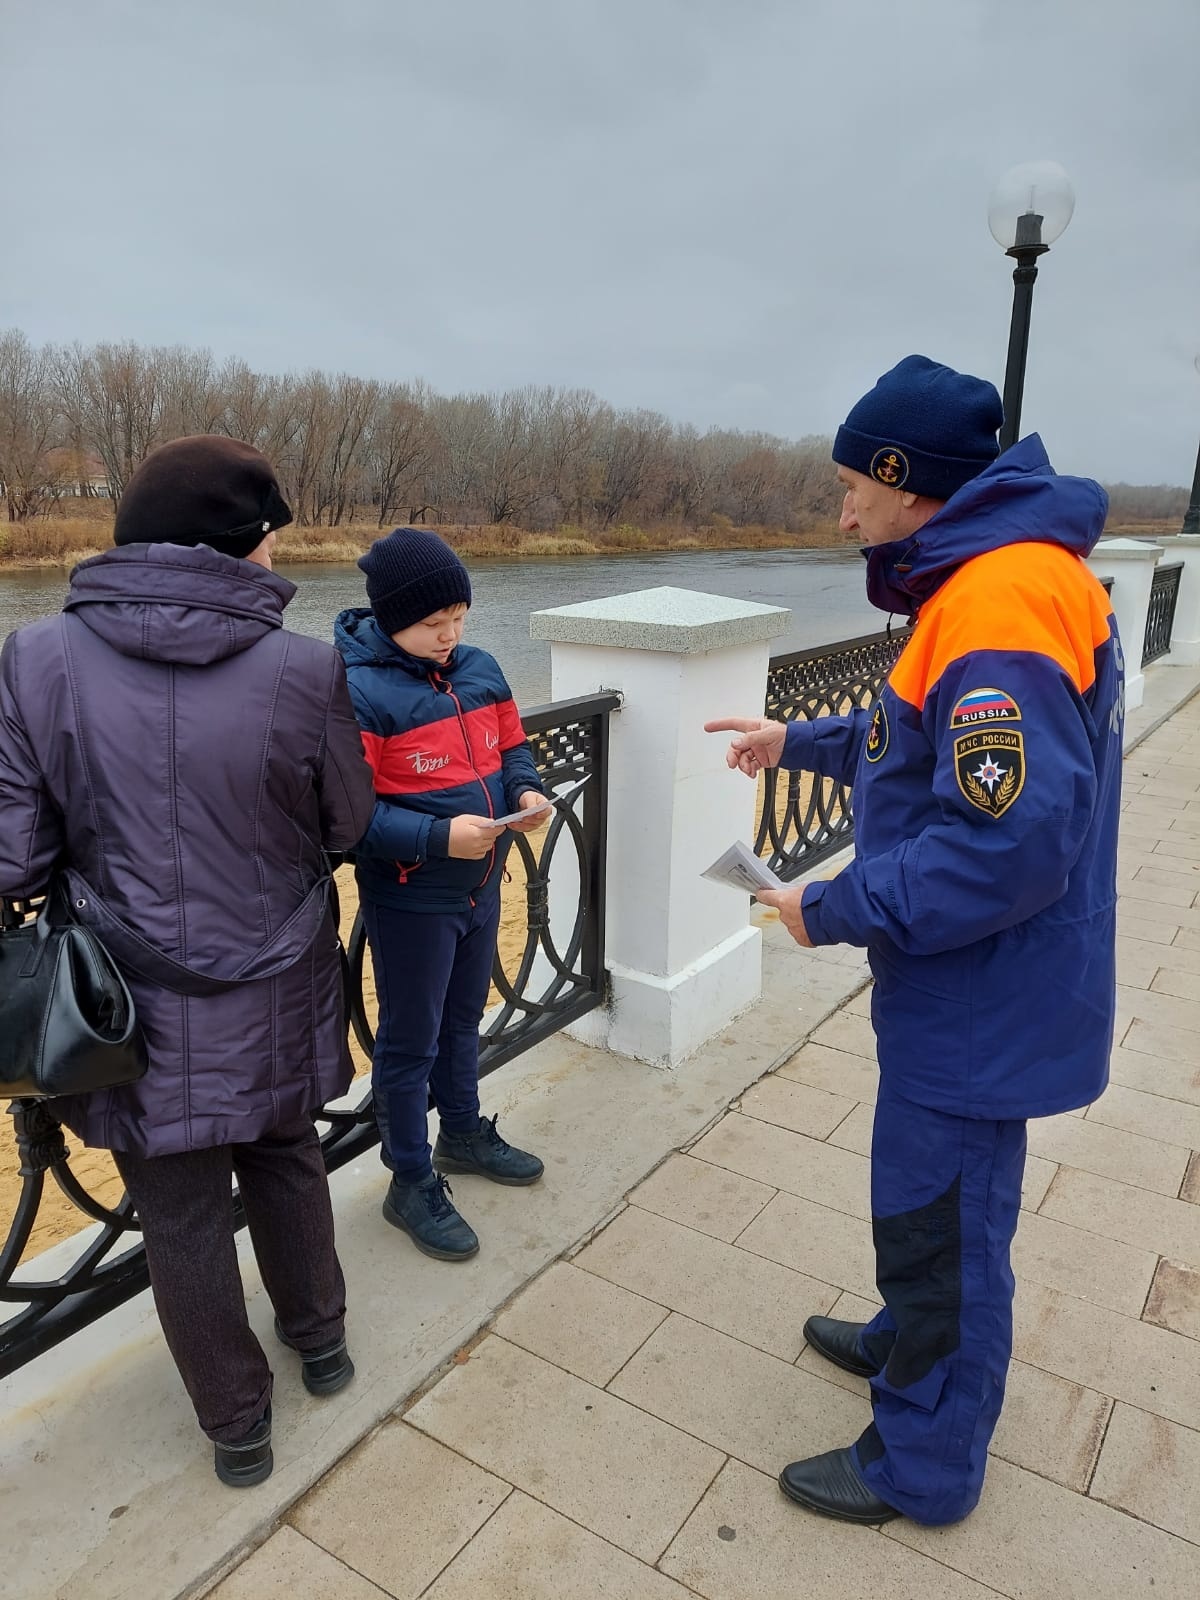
440 741
986 791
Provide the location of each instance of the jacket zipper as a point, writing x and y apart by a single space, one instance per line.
442 687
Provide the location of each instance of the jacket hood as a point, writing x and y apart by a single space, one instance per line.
363 643
1019 499
189 606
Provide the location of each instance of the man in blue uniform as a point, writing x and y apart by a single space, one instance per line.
986 782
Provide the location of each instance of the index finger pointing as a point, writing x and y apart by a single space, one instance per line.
733 725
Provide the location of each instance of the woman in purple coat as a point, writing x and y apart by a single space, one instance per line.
186 762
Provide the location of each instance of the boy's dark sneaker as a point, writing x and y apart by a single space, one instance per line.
427 1215
324 1371
485 1153
249 1461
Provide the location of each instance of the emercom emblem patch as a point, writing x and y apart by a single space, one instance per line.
877 733
990 767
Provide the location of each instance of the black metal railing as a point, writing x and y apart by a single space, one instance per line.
1160 618
557 978
804 818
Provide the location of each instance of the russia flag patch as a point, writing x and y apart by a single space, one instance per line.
984 705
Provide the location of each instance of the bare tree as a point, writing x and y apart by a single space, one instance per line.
563 425
461 424
344 446
400 448
28 418
257 409
343 476
193 397
631 445
113 397
505 456
1149 502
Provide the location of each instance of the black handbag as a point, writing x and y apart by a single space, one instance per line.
67 1022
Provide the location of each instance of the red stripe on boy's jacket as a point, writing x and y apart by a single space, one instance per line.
435 756
414 763
512 733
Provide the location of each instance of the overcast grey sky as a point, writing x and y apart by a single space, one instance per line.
738 212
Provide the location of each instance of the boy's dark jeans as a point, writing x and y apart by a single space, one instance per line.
432 974
184 1203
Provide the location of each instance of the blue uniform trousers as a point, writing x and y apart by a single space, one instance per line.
432 975
945 1196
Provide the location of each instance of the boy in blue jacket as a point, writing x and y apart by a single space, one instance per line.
448 752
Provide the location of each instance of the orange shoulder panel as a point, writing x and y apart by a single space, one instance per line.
1025 597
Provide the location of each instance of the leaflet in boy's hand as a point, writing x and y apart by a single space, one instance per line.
550 801
741 869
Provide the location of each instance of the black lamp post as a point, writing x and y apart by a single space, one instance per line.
1029 208
1191 517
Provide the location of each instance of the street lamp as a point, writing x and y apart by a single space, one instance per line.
1029 208
1191 517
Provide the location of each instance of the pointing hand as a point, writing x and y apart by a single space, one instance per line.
758 742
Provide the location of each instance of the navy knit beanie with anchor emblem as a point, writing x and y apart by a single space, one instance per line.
924 428
411 574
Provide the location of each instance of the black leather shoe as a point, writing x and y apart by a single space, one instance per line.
324 1371
486 1154
249 1461
838 1342
830 1485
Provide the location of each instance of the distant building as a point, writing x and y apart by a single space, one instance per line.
78 473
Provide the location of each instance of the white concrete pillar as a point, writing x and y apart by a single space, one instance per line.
681 952
1130 564
1185 635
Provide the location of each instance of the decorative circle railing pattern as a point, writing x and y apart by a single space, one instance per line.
558 977
806 819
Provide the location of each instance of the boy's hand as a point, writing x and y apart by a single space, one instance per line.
759 743
528 802
472 837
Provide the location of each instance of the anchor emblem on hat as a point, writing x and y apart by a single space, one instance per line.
889 466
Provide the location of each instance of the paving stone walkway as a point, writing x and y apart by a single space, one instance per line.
616 1434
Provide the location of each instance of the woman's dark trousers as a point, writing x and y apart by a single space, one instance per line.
185 1206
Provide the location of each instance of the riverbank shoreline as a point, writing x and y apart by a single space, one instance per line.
61 543
343 546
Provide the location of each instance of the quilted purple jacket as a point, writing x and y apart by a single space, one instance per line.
187 762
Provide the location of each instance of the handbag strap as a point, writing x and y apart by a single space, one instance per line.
134 954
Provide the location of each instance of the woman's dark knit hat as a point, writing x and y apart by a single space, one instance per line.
923 427
204 489
411 574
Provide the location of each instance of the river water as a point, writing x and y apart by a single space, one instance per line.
824 590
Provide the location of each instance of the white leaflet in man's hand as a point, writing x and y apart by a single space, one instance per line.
547 803
741 869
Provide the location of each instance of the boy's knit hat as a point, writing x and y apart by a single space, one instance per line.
411 574
204 489
923 427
